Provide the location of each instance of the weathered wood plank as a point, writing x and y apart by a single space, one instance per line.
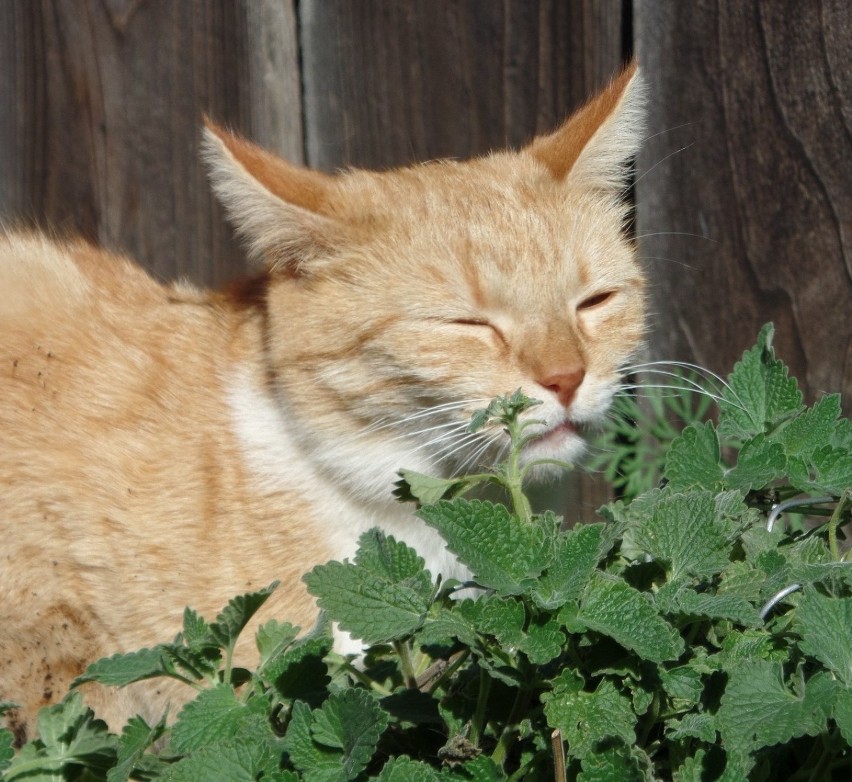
752 220
100 128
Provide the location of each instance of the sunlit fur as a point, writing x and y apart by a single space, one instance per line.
162 446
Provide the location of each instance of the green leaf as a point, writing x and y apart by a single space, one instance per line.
68 734
404 769
504 553
196 632
843 713
693 725
576 554
501 617
826 470
684 532
759 394
393 561
586 718
812 429
122 669
317 763
369 606
612 764
614 608
683 684
273 639
676 599
427 489
236 615
214 716
239 760
300 672
693 459
543 643
7 751
135 739
825 625
758 710
760 462
336 741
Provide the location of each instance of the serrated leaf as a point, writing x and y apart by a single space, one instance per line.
843 713
693 725
677 599
683 683
301 672
504 618
427 489
758 710
237 614
336 741
586 718
612 764
614 608
68 733
575 556
196 631
7 750
122 669
812 429
135 739
404 769
365 604
504 553
215 715
317 763
759 394
826 470
694 460
760 462
393 561
825 624
445 625
543 643
273 638
236 761
685 533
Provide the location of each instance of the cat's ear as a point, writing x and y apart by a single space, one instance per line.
277 207
594 146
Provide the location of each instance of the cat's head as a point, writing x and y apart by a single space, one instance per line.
399 302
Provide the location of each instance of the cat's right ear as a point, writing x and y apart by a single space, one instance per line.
275 206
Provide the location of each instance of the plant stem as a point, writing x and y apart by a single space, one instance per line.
558 747
519 707
478 722
828 751
404 654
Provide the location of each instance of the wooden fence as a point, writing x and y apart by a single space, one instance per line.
744 189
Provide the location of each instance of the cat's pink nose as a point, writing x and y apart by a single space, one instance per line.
564 385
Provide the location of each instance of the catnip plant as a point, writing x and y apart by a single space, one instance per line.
691 634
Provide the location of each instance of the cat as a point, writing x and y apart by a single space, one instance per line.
163 446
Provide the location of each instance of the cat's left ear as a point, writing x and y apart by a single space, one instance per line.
280 209
594 146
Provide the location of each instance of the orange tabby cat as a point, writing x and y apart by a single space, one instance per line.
163 446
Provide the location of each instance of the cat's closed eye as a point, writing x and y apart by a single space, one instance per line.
591 302
480 323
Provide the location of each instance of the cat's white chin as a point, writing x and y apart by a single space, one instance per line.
561 442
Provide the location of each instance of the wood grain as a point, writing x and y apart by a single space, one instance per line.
388 83
744 196
102 113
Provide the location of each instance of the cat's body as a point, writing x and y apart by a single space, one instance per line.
163 447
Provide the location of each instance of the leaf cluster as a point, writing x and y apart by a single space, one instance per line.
678 638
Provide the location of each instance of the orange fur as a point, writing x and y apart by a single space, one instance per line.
162 446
